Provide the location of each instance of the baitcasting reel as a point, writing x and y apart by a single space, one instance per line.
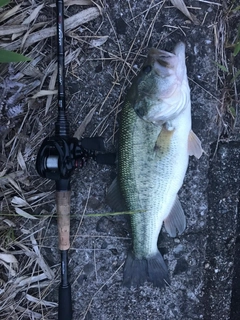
59 156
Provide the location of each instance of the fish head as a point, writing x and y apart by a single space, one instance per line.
160 90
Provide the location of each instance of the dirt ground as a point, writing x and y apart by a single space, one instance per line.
202 261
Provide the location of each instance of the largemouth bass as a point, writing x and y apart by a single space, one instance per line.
155 142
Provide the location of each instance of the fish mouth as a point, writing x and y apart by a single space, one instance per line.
166 63
163 62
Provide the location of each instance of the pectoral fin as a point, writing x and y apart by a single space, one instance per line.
176 220
163 141
194 145
114 197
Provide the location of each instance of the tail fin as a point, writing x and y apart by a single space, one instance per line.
137 271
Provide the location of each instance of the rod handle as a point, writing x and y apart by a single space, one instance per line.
63 216
65 303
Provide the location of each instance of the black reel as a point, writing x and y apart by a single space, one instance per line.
59 156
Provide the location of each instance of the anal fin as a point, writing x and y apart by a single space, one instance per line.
194 145
176 220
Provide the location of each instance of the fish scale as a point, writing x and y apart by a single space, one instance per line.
141 177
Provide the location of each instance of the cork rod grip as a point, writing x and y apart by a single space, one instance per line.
63 214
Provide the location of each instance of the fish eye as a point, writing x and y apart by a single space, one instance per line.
147 69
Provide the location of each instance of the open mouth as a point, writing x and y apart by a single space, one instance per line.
163 61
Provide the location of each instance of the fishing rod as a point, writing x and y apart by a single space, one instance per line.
57 157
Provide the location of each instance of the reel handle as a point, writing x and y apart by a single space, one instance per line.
63 217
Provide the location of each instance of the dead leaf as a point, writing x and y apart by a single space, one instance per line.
13 183
26 281
98 42
21 161
39 196
9 262
43 93
10 178
5 30
15 36
33 14
72 55
41 301
40 260
10 13
180 5
30 31
2 173
9 223
24 214
79 132
19 202
51 86
81 17
8 258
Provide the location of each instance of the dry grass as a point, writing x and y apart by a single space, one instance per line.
29 91
227 67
